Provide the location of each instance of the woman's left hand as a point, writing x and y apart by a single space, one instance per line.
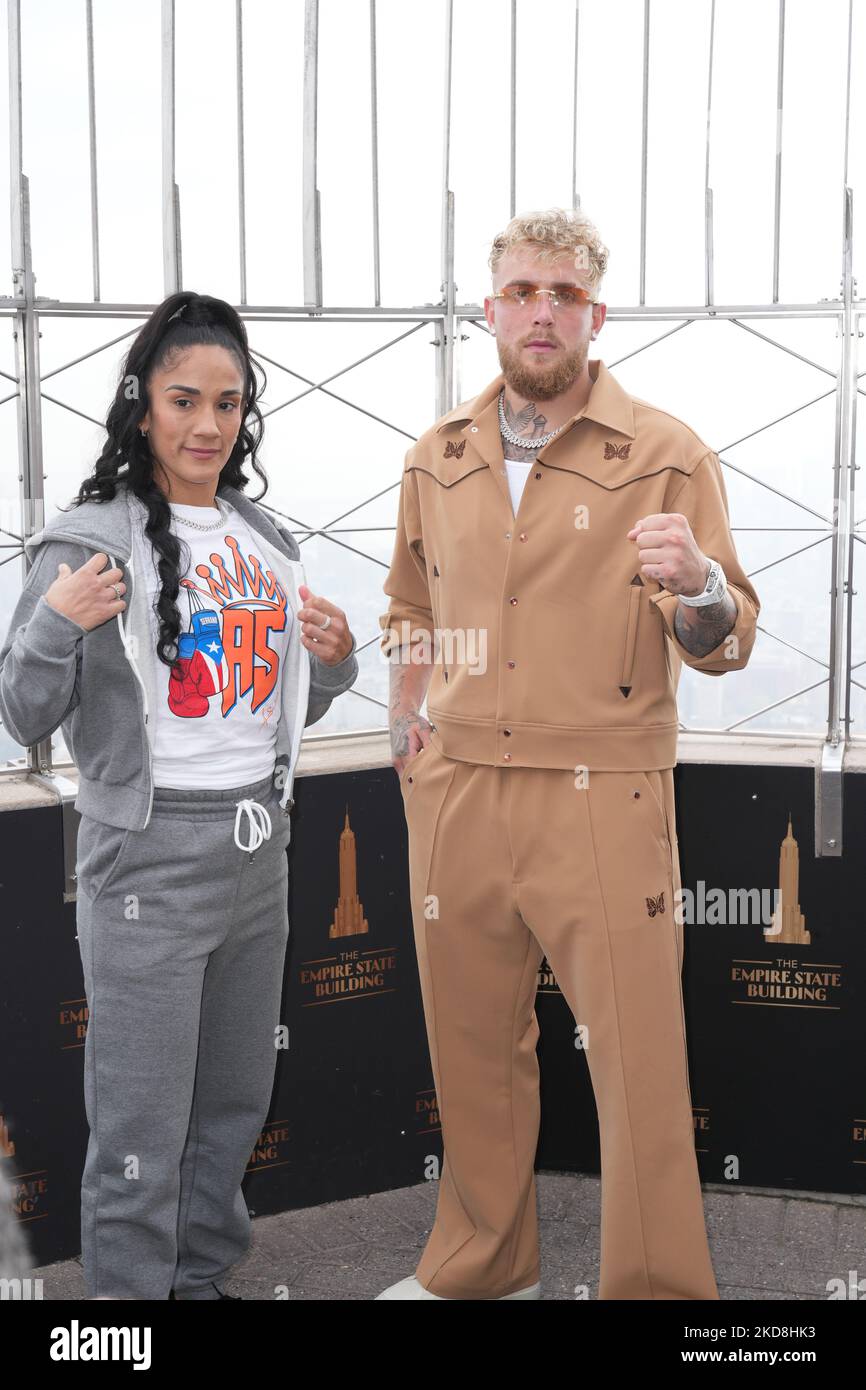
334 644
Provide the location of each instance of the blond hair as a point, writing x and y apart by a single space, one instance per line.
555 232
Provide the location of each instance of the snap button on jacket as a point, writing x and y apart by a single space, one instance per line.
550 647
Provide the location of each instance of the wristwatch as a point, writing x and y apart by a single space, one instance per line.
713 591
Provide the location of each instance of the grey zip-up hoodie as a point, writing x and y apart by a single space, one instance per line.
100 685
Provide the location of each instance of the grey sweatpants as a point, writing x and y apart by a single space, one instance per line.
182 937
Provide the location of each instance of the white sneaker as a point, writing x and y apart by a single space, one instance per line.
410 1288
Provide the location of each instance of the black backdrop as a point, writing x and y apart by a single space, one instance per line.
778 1084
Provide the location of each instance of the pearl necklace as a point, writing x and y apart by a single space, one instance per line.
508 433
222 508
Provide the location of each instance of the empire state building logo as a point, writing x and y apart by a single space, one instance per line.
788 923
349 919
7 1148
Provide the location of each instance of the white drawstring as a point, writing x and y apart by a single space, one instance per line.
258 833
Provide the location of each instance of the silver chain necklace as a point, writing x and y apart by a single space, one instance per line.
508 433
203 525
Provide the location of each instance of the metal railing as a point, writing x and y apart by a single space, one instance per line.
450 319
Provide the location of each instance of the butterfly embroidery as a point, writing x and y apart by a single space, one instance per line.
612 452
655 905
455 451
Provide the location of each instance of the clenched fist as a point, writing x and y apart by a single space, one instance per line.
669 553
85 595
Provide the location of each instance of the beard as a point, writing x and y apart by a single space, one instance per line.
541 383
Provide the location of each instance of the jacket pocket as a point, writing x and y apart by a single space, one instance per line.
635 592
409 768
99 850
654 783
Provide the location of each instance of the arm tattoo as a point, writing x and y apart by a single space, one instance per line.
400 726
714 622
402 719
398 680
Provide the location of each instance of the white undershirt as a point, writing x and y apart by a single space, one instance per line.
517 474
217 726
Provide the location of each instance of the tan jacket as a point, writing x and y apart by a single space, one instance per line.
568 655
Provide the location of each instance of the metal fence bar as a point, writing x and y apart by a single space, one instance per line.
445 341
91 352
312 204
708 192
321 385
848 370
850 51
852 339
783 347
801 550
575 196
31 492
30 471
276 313
828 777
780 105
91 127
242 203
644 121
512 120
775 704
374 156
170 201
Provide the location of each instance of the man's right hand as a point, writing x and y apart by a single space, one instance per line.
85 595
409 734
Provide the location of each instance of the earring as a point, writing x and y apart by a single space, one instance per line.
143 433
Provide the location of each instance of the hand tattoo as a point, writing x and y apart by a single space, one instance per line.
401 724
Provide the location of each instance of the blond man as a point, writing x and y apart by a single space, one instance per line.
561 549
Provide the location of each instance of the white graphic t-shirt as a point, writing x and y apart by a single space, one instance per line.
216 717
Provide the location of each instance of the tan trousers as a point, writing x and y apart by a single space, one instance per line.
507 865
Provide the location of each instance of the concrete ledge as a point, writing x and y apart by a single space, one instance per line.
329 753
21 792
326 753
708 746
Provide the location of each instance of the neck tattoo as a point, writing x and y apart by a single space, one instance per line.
523 432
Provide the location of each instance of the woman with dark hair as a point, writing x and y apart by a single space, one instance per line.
179 678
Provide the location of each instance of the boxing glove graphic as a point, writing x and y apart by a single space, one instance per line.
201 669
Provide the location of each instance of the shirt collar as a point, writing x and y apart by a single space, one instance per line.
608 404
